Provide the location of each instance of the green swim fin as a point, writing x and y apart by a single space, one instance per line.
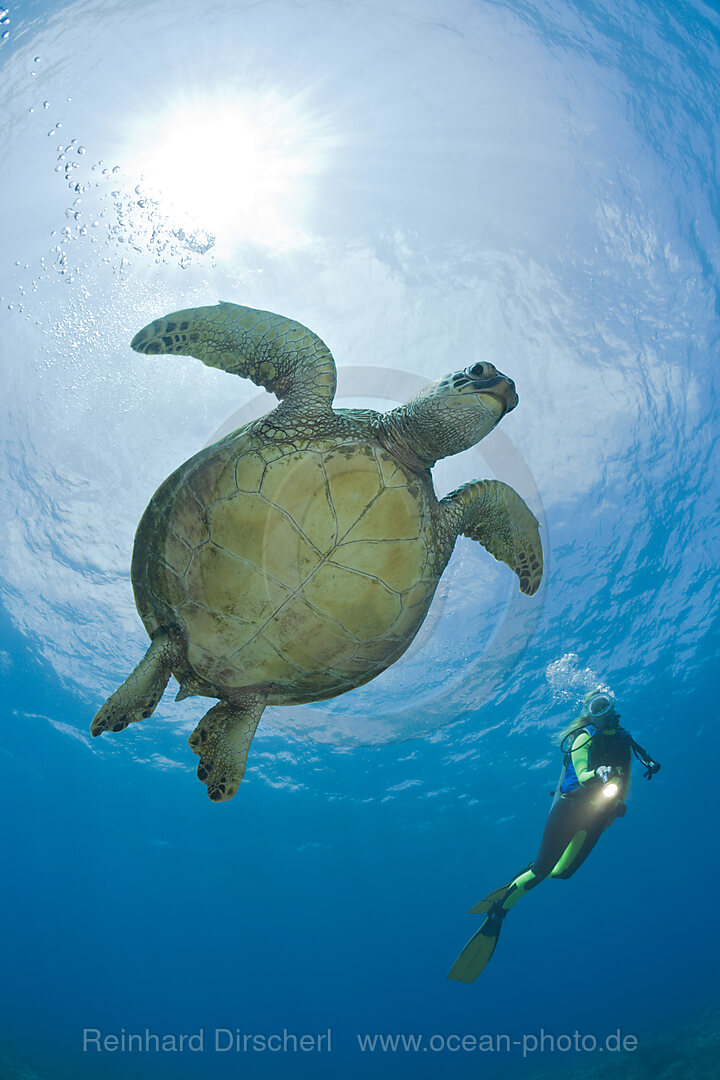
476 954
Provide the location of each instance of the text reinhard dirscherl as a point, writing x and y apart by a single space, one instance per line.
219 1040
228 1040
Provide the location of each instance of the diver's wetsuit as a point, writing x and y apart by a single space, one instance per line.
580 813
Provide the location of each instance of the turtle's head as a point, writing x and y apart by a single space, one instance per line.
452 414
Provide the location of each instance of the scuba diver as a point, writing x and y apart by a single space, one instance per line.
590 795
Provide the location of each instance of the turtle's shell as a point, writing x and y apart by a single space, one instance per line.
304 570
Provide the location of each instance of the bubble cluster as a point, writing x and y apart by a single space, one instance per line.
121 216
111 221
569 681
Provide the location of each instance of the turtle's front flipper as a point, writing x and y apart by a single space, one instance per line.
280 354
222 740
138 696
494 514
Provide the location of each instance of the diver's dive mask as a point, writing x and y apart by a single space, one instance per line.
600 705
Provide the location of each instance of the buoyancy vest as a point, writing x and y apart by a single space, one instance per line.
612 748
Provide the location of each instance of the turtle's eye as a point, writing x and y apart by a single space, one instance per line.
477 370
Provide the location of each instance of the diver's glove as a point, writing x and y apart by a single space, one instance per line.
604 772
651 767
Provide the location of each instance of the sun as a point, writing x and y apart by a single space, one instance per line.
241 169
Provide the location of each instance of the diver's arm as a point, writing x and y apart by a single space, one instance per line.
580 757
642 755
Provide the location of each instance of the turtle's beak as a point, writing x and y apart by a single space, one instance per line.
486 379
509 394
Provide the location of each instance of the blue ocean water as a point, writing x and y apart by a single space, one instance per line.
535 184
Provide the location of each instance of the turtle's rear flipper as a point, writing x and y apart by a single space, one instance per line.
138 696
222 740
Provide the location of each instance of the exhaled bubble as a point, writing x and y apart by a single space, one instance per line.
138 224
568 679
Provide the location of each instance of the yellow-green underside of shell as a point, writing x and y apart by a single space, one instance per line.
305 571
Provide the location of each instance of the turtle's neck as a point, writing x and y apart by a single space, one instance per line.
391 429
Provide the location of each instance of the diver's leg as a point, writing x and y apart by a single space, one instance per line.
484 905
222 740
518 888
137 697
581 844
559 829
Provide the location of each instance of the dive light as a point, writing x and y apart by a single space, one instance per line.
608 774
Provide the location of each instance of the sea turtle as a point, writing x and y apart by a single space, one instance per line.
296 558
